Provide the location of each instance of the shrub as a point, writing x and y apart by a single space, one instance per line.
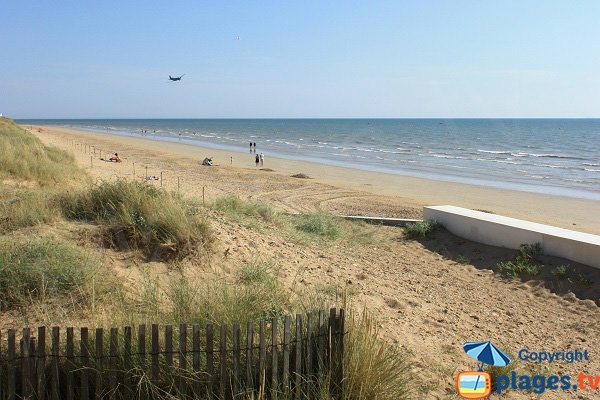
563 272
41 267
138 215
420 230
524 263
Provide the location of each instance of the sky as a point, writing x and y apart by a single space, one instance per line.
300 59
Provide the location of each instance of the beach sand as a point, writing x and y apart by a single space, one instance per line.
427 303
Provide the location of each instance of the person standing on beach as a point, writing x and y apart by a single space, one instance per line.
257 159
262 159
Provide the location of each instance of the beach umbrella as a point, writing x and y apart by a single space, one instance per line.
486 353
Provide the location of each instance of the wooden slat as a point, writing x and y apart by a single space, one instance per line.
196 359
128 360
55 379
249 354
84 359
2 391
98 389
332 326
274 360
142 348
223 361
236 360
210 366
26 379
309 347
262 355
112 363
321 342
285 378
41 363
11 384
182 359
71 364
154 354
341 352
333 332
169 346
298 359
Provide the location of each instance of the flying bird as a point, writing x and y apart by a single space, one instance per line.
176 78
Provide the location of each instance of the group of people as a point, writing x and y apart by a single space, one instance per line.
260 159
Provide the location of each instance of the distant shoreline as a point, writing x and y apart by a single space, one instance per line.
560 176
565 212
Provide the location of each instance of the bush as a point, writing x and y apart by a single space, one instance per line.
42 267
138 215
563 272
420 230
525 262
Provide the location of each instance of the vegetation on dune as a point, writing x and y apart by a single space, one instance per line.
24 157
420 230
373 369
243 210
525 262
23 208
140 216
42 268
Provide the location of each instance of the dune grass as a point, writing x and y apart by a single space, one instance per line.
24 157
139 216
22 208
43 267
420 230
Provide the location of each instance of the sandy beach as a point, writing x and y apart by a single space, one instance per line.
336 188
427 302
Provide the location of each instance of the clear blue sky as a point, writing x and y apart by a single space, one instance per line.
102 59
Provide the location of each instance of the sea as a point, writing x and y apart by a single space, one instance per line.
552 156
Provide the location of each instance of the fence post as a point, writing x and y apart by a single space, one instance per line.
342 352
223 361
274 361
155 350
26 363
236 360
286 354
182 359
210 368
11 386
128 361
55 357
41 363
112 379
142 348
262 357
70 363
321 353
298 366
196 359
98 390
84 356
249 354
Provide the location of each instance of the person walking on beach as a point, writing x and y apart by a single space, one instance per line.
257 159
250 147
262 159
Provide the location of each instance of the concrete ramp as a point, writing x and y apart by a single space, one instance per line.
497 230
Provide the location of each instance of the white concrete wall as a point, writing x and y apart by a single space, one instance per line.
497 230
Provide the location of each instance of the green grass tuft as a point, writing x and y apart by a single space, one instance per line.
24 157
420 230
138 215
39 268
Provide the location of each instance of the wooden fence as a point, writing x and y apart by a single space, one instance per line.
259 360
